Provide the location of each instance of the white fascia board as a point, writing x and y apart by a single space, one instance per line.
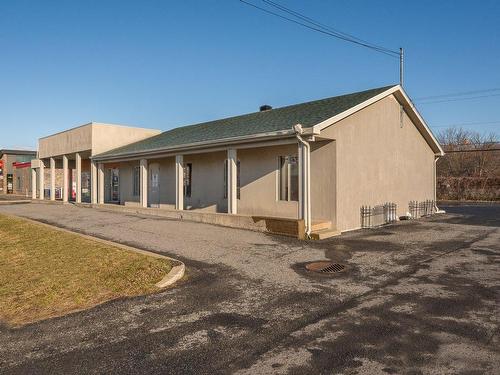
332 120
313 130
407 103
199 147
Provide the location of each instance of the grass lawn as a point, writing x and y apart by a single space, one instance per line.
46 272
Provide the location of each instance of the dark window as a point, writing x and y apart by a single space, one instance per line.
137 182
288 178
188 170
10 183
237 179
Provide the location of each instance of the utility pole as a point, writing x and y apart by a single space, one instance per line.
401 81
401 68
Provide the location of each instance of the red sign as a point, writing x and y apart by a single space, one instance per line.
17 164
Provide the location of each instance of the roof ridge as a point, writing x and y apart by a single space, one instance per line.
334 97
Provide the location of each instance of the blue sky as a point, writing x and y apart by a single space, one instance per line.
163 64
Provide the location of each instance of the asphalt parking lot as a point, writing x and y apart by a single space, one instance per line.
416 297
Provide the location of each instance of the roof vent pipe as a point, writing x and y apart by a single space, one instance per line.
265 107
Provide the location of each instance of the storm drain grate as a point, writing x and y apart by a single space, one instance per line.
332 268
325 267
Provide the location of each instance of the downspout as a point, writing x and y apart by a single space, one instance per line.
436 208
306 185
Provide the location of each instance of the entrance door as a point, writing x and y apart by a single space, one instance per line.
10 183
154 185
114 185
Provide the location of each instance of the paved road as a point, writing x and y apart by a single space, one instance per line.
418 297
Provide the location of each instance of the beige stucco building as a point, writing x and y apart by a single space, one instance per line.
67 156
305 169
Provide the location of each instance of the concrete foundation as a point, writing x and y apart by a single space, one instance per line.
275 225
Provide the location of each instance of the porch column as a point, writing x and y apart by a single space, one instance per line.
93 182
232 171
42 180
65 193
100 182
33 183
52 179
179 182
143 182
78 160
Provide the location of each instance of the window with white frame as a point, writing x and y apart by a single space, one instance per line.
237 179
288 178
137 182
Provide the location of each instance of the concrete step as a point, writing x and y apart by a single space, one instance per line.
320 225
324 233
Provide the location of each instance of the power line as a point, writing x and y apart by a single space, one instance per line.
471 150
482 123
326 27
466 126
459 99
316 26
458 94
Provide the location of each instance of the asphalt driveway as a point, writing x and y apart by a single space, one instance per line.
418 297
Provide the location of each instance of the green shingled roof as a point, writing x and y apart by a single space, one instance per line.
278 119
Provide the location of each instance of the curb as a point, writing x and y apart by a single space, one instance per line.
468 203
7 202
176 273
48 201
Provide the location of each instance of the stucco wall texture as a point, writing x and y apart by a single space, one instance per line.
258 176
96 137
369 158
379 161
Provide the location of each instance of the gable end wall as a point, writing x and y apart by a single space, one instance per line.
379 161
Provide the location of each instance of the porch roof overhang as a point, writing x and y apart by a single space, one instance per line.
254 141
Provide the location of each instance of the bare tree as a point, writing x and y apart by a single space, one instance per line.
471 167
469 153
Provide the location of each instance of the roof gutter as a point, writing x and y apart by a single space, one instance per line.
305 179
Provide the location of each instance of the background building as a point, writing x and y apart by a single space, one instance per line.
63 169
15 174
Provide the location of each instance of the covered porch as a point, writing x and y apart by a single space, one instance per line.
63 170
65 178
253 186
